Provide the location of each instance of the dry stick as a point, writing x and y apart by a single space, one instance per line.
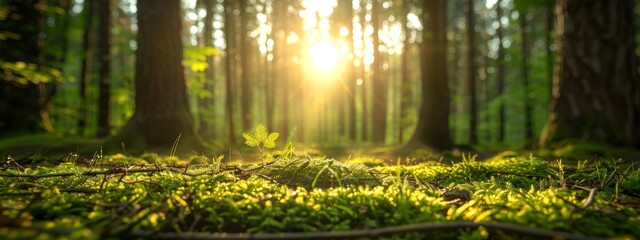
19 167
592 193
369 233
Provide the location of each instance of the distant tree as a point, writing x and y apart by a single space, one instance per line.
524 48
88 46
596 91
501 73
245 53
161 113
104 55
207 103
229 35
364 116
472 70
405 87
379 110
433 120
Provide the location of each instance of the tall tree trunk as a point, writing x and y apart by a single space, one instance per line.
161 115
596 84
364 116
405 86
207 103
472 73
549 41
501 74
351 81
88 46
379 112
229 70
104 95
245 41
433 121
528 109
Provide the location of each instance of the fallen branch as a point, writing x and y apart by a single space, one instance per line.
369 233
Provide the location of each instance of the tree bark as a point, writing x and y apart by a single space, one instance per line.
433 121
596 93
104 95
161 115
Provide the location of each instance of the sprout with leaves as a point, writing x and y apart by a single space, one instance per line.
261 139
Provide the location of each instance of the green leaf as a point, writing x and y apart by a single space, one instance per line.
261 133
250 139
270 142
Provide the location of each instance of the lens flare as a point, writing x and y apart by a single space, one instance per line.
324 56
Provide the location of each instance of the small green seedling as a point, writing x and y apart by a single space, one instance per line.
261 139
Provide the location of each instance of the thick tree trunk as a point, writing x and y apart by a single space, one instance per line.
433 121
162 112
596 95
104 96
379 111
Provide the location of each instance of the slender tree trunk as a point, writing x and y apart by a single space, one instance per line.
351 100
247 95
363 94
206 104
596 84
87 66
405 86
528 109
501 75
379 111
271 66
162 115
472 73
104 96
229 70
549 41
433 123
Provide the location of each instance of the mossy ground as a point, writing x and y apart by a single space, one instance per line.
120 196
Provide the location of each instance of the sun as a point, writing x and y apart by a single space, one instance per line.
324 56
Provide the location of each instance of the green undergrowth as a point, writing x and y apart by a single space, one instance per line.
120 196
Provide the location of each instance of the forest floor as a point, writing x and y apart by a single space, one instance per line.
578 191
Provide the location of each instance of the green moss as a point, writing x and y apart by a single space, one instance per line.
311 195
